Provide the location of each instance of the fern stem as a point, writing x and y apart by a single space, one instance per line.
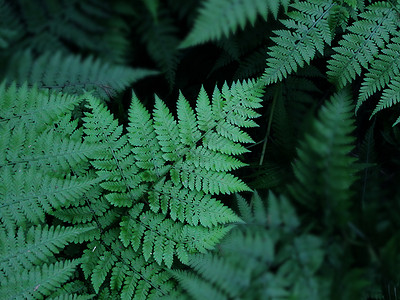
277 94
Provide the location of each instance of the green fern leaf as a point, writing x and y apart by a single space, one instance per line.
132 272
222 18
28 195
161 39
162 198
114 162
157 231
143 138
34 150
167 131
118 274
39 281
163 171
72 74
11 27
253 263
308 31
72 297
382 70
188 130
33 105
361 45
74 290
326 151
36 247
390 96
106 262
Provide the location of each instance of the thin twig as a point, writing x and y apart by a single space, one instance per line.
276 95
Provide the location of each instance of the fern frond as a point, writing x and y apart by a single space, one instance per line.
58 25
39 281
308 31
166 165
37 246
362 44
390 96
382 70
222 18
34 152
130 273
27 105
10 26
73 74
325 150
251 262
68 296
161 39
81 213
202 165
39 120
28 195
162 238
189 206
74 290
62 153
114 161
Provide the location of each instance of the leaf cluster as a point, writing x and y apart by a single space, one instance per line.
213 149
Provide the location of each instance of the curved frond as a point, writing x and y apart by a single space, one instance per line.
161 39
36 149
10 25
131 274
363 42
308 31
382 70
163 170
325 150
38 281
33 105
251 261
37 246
390 96
218 18
73 74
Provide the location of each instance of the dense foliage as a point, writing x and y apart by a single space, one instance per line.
199 149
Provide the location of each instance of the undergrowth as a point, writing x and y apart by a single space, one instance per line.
213 149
